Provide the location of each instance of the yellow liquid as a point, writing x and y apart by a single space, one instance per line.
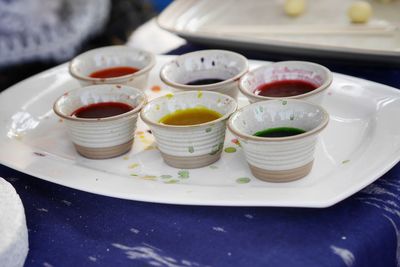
190 116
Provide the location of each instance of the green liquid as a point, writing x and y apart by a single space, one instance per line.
279 132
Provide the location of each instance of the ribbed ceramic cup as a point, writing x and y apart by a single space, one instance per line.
113 56
191 146
313 73
103 137
206 64
279 159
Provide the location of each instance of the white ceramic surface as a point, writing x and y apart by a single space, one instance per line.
279 154
101 137
206 64
309 72
323 30
113 56
185 142
362 125
14 245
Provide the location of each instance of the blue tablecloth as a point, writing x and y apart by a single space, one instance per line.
68 227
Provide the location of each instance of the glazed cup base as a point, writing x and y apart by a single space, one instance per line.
283 175
190 162
104 152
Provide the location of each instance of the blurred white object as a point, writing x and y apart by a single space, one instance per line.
359 12
47 29
294 7
152 38
13 231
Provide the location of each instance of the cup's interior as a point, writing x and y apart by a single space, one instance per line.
285 71
107 57
84 96
278 113
162 106
200 65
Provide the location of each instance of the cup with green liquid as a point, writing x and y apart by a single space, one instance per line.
279 137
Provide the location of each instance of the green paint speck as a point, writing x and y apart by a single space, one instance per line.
284 102
208 130
169 96
165 176
216 148
171 182
213 167
183 174
191 149
230 150
292 117
200 94
243 180
345 161
133 174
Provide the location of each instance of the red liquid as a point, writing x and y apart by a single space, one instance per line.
101 110
285 88
113 72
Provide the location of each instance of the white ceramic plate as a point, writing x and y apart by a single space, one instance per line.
323 30
361 143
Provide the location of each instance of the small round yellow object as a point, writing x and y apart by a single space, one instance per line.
359 12
294 7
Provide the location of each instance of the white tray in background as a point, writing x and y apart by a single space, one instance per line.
324 29
361 143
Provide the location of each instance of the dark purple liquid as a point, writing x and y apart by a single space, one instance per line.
204 81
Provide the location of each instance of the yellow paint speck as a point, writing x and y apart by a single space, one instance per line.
133 165
150 177
169 96
200 94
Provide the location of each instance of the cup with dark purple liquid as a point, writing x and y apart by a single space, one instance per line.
287 79
206 70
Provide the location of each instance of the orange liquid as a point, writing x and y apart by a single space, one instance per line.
113 72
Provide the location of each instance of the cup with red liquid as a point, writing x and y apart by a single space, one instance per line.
287 79
101 119
113 65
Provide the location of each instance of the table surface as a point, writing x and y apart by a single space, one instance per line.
69 227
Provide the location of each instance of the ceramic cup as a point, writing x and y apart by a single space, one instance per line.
206 64
279 159
309 72
113 56
102 137
191 146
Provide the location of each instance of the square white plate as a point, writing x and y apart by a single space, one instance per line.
361 143
323 30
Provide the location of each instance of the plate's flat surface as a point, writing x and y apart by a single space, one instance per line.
361 142
321 30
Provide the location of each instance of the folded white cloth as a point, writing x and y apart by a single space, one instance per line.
13 231
47 29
